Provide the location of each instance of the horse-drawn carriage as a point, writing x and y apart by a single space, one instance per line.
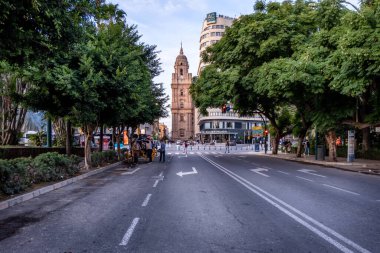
139 150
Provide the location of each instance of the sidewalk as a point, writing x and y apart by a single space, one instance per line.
359 165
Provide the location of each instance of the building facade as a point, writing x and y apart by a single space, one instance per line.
218 126
182 107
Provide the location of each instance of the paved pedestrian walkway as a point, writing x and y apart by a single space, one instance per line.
358 165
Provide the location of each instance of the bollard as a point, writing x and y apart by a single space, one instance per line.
209 147
198 147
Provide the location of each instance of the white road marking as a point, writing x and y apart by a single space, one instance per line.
191 153
130 172
214 153
177 153
207 153
340 189
129 232
258 171
155 184
305 179
315 225
161 174
310 172
145 203
181 174
283 172
199 153
169 153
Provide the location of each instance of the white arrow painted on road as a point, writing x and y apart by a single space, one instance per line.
181 174
258 171
310 172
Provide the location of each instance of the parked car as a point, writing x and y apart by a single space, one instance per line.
25 139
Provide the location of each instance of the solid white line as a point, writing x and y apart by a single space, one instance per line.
129 232
341 189
305 179
169 153
191 153
145 203
155 184
161 174
131 172
283 172
270 198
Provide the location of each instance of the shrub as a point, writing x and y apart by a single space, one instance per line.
99 158
15 175
54 167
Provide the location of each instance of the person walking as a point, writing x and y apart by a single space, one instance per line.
162 151
185 150
307 147
149 146
227 147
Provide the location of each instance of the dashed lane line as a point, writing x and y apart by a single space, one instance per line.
305 179
340 189
146 200
129 232
283 172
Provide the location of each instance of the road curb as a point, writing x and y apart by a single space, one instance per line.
27 196
367 170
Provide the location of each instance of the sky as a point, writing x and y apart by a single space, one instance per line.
167 23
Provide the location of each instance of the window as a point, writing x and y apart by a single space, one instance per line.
238 125
229 125
181 92
207 125
181 71
181 104
217 124
182 132
181 117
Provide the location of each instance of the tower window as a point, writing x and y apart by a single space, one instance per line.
181 93
181 104
182 133
182 117
181 71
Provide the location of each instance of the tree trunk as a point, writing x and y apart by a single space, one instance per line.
88 129
101 138
60 126
68 137
301 137
276 141
365 143
331 140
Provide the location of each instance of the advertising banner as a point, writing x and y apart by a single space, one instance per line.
351 146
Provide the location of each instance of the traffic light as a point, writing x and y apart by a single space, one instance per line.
266 132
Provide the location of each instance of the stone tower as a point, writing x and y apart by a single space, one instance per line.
182 104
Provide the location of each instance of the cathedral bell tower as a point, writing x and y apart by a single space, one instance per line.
182 105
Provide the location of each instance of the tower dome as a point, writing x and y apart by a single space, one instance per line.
181 59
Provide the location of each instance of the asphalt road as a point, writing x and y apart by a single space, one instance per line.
205 201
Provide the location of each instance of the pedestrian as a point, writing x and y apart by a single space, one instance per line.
185 150
307 147
162 151
136 151
149 146
227 147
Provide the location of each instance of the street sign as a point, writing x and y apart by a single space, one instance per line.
257 131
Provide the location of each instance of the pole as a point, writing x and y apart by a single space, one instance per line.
49 133
316 144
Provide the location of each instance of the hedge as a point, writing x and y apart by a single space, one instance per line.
100 158
18 174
